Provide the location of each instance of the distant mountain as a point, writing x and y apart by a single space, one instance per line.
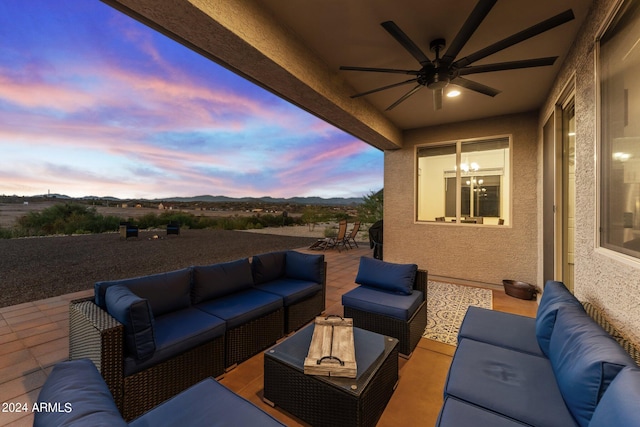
332 201
339 201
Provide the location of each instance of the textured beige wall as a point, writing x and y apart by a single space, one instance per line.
484 254
608 280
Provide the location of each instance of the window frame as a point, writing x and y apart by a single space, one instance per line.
506 205
605 148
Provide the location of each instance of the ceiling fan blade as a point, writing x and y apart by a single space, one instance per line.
437 99
406 42
379 70
475 86
511 65
404 97
383 88
471 24
539 28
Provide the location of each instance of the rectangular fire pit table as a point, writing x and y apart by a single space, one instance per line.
331 401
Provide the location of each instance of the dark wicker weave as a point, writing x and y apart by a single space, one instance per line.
94 334
250 338
408 333
323 401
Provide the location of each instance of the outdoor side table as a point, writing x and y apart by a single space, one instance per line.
330 401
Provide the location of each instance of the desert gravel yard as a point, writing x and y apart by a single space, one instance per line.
43 267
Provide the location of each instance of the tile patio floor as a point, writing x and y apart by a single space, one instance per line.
35 335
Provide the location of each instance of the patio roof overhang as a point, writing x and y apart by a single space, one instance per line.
243 37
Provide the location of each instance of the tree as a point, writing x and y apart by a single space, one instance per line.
371 209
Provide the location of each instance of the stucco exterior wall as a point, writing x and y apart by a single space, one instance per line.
609 280
467 252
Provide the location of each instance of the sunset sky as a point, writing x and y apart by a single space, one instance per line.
95 103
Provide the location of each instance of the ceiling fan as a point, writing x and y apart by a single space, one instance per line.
438 73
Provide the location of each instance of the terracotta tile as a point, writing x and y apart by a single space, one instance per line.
19 386
11 346
20 312
18 368
5 310
50 359
35 340
25 317
50 347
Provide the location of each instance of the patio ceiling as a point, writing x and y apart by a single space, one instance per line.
294 48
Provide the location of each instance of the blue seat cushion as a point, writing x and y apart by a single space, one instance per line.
166 292
213 281
377 301
242 307
306 267
387 276
176 333
511 383
85 397
585 360
456 413
499 328
555 296
619 404
205 404
291 290
135 315
268 267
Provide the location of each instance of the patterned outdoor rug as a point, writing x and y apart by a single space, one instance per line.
446 306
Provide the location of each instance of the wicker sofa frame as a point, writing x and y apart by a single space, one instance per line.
407 332
96 335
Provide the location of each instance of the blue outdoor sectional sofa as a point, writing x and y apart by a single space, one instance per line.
154 336
559 369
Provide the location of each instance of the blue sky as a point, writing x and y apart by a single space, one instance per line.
95 103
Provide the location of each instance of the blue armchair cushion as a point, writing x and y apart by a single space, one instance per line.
585 360
515 384
135 314
85 397
387 276
222 279
307 267
377 301
555 296
291 290
176 333
619 405
268 267
207 403
166 292
242 307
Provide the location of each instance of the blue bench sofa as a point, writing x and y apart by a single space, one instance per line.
80 397
559 369
152 337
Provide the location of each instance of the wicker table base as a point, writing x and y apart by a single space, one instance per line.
332 401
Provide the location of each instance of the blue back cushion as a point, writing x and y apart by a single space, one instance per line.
387 276
555 296
135 314
307 267
585 359
213 281
77 383
268 267
166 292
619 405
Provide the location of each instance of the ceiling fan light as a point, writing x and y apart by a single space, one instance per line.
453 93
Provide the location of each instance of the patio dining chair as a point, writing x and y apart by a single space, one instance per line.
352 235
340 239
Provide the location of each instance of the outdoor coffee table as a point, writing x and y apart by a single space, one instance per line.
331 401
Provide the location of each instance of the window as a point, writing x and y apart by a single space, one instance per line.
619 72
464 182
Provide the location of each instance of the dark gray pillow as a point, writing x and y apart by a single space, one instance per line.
135 314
